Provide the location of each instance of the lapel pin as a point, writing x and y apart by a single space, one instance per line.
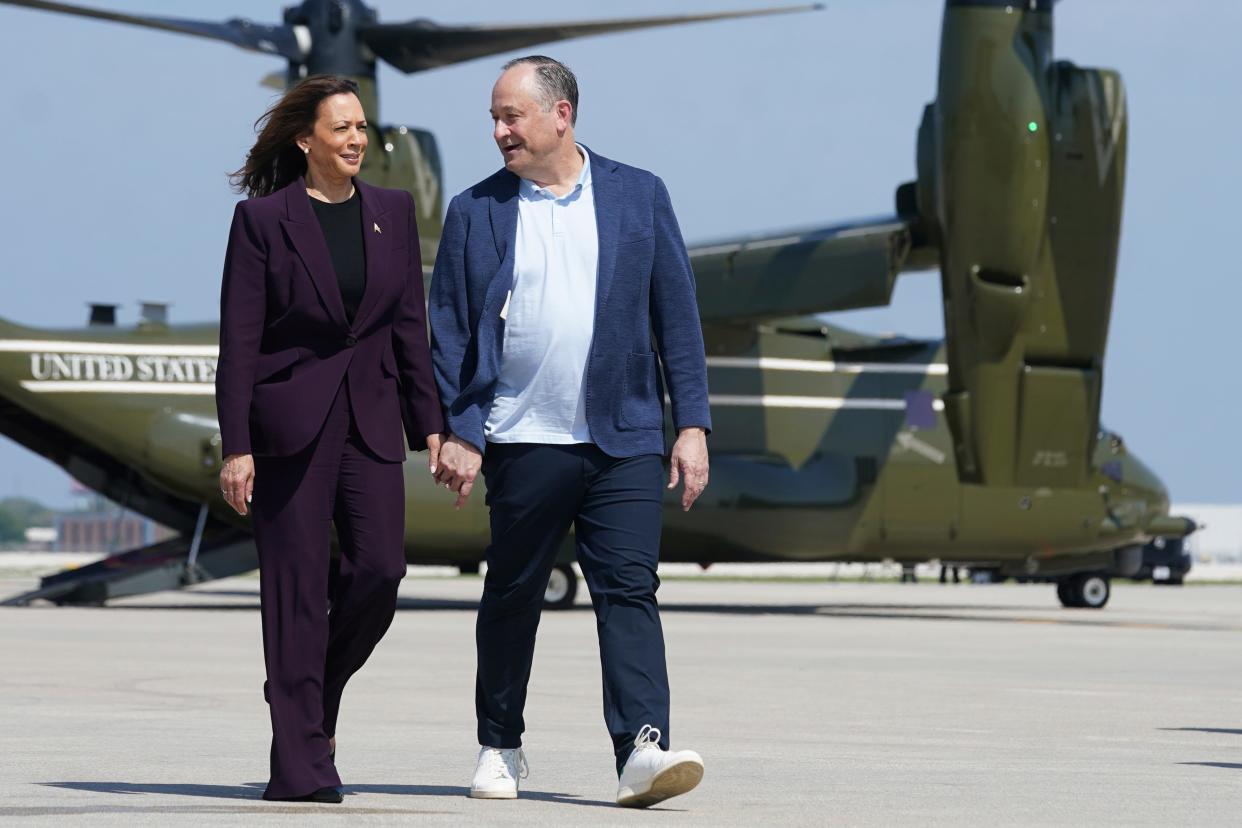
376 226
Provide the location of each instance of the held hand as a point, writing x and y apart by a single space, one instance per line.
689 464
434 442
459 466
237 481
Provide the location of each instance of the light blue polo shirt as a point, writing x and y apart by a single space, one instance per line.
549 318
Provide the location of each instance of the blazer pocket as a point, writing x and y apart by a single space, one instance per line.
641 406
277 367
635 238
388 362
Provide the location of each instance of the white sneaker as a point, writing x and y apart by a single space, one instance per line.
652 775
497 773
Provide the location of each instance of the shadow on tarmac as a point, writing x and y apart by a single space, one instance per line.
464 792
933 612
1228 731
253 791
898 612
912 610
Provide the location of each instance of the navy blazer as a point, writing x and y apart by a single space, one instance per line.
286 344
645 287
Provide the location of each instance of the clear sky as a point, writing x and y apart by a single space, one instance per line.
116 141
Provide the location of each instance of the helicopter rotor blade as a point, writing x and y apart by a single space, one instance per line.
419 45
255 37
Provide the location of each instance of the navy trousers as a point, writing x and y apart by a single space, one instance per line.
536 492
311 652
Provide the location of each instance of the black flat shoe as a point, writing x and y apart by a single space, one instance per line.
326 795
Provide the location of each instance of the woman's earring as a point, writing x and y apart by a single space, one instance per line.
306 150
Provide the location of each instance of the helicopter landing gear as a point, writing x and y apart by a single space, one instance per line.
562 588
1086 590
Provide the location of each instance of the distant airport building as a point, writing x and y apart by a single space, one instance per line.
40 538
1219 538
105 531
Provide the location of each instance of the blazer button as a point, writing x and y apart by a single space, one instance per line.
351 341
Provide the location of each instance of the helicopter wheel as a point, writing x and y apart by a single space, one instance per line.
1087 590
562 588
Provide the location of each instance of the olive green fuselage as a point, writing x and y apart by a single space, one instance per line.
816 454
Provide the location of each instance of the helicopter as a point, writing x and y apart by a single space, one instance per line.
983 450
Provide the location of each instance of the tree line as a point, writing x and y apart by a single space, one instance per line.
17 514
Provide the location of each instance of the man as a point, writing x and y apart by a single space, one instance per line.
553 279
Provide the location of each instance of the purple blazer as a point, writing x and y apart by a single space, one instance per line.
286 344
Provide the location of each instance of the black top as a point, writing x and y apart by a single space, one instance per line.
342 227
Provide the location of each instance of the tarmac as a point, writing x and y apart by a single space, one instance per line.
812 702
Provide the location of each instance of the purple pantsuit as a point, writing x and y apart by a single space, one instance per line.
320 401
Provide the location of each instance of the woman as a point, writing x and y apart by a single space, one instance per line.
323 349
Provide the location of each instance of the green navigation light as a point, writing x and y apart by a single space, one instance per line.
1032 127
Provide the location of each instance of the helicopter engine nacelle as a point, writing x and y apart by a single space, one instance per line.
1088 122
1026 193
409 159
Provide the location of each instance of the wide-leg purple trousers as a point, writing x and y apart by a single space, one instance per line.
314 641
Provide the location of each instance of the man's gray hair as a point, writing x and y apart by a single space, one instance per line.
553 82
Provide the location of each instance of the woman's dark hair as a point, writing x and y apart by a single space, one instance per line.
275 160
